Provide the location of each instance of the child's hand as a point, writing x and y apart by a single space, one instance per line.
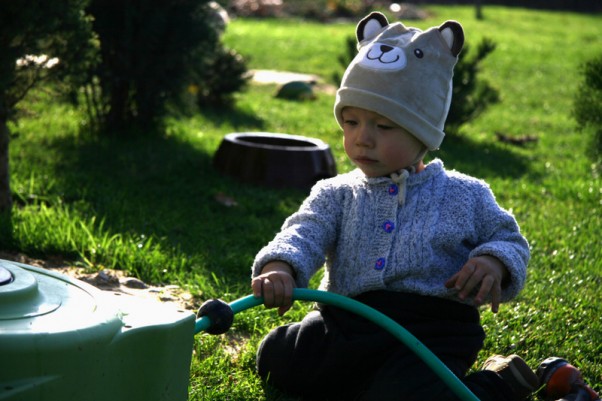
275 284
488 273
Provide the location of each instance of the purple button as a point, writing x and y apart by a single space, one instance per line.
380 264
393 189
388 226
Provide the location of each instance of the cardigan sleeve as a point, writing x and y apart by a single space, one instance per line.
306 236
500 237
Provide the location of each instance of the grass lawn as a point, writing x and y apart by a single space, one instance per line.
148 205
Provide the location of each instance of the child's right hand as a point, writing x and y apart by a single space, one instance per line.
275 284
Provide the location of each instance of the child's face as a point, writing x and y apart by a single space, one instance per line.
376 144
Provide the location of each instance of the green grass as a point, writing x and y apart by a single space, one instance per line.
147 204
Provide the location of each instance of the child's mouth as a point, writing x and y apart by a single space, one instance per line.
364 160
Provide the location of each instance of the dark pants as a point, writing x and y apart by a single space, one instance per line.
336 355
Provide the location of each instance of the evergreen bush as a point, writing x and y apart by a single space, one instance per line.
149 51
471 96
345 59
587 108
223 74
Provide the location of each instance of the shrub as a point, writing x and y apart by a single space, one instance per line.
587 108
147 51
223 74
471 95
345 59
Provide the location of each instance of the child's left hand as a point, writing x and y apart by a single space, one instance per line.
485 271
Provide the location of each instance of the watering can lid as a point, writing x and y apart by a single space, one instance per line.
29 293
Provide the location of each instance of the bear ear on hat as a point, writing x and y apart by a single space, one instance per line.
453 34
370 26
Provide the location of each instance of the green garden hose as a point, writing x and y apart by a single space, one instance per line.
302 294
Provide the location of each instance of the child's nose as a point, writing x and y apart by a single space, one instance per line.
365 136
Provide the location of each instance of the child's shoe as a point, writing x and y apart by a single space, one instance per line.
580 394
515 373
562 381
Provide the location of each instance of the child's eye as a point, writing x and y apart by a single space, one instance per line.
385 127
350 122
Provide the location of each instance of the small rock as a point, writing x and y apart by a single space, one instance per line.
172 287
167 298
103 279
132 282
297 90
225 200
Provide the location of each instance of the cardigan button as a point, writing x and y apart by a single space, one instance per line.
380 264
393 190
388 226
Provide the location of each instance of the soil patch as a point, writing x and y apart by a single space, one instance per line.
112 280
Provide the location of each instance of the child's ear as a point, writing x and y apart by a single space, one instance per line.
453 34
370 26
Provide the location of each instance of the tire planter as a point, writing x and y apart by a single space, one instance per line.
275 160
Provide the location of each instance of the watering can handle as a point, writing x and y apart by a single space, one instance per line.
351 305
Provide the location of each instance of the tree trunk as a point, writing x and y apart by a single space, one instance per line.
479 10
5 197
6 225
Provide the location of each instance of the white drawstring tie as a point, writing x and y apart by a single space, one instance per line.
400 179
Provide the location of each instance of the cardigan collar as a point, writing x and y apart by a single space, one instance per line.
405 178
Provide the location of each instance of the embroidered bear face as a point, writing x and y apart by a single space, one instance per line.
384 46
404 74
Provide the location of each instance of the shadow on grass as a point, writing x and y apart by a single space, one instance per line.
237 118
167 188
482 160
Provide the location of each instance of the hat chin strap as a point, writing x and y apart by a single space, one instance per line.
400 177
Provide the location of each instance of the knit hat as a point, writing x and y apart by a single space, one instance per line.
404 74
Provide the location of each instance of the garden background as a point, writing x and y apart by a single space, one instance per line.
152 205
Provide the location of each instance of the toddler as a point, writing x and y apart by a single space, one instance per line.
424 245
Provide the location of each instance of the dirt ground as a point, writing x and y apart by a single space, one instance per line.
112 280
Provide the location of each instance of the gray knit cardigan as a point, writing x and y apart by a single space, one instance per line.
370 241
